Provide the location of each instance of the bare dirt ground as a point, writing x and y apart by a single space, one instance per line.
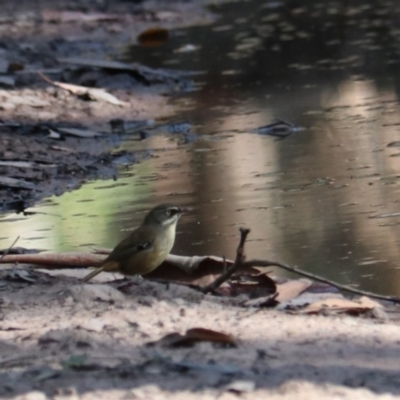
62 339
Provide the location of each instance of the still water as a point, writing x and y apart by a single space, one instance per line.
325 199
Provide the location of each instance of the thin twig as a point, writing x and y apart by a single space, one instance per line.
240 263
46 79
240 259
266 263
9 249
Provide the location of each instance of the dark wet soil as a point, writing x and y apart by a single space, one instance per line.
42 43
52 168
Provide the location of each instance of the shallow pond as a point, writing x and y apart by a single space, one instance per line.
326 198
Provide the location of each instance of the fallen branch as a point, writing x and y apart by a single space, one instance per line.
266 263
55 261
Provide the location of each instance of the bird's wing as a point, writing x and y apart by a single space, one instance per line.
136 242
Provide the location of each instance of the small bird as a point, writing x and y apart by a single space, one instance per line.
146 247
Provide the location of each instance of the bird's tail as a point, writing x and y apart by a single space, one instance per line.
88 277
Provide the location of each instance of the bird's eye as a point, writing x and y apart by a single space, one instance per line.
171 211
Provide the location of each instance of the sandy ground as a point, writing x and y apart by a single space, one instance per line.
62 339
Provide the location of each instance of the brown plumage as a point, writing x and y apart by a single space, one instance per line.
146 247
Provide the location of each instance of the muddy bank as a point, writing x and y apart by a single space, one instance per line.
57 71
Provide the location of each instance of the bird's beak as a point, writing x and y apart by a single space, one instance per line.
183 210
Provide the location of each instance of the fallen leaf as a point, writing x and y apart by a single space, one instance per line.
306 298
368 302
54 135
207 280
15 66
153 37
17 164
25 164
61 148
82 133
76 16
193 336
241 386
291 289
102 95
342 306
92 93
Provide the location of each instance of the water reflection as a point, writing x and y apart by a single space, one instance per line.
324 199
